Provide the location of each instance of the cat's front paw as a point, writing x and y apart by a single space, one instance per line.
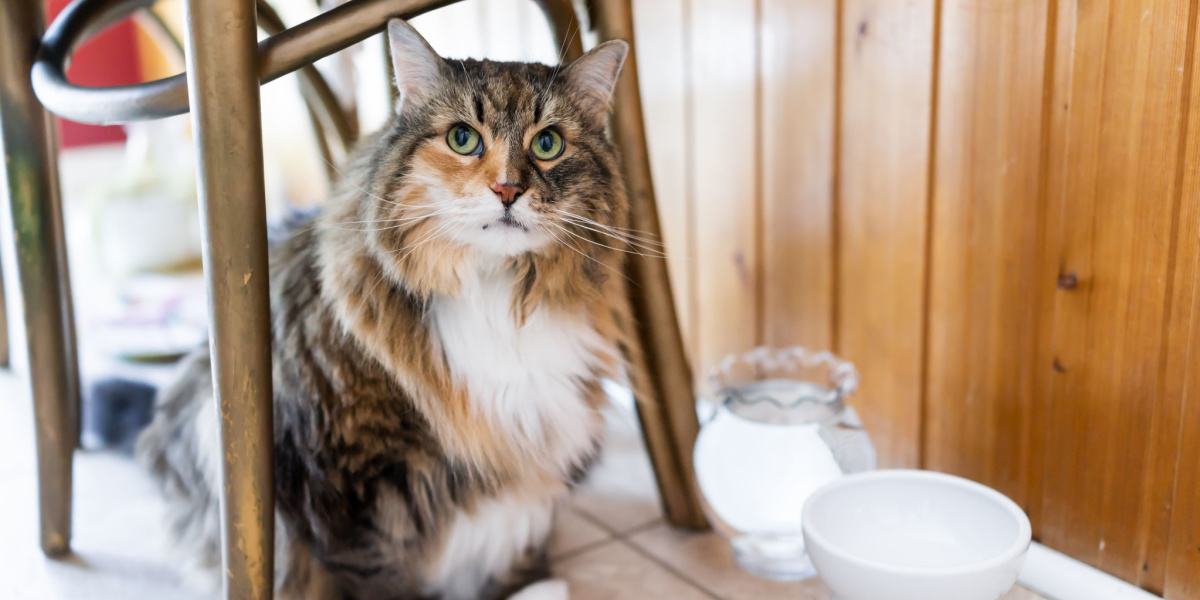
547 589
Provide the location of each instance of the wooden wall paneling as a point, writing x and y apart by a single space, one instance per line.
1056 114
1112 177
1182 354
662 62
723 75
797 46
985 241
1182 577
886 91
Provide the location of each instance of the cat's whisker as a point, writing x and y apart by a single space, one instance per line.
418 216
634 232
634 247
435 233
635 252
343 181
572 247
470 81
409 249
405 219
634 242
391 224
652 249
562 53
624 231
380 280
373 196
625 250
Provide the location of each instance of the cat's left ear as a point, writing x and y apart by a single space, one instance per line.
595 75
418 68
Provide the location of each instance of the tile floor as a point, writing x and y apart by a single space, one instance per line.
610 541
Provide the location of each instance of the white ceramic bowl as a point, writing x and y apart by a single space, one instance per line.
914 535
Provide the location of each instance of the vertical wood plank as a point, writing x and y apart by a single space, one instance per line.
722 71
1182 577
661 30
1182 354
798 51
886 56
985 246
1056 80
1110 186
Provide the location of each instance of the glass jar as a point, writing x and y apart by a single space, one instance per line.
775 426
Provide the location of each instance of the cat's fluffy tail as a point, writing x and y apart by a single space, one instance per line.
181 450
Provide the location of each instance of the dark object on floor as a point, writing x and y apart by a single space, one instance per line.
114 411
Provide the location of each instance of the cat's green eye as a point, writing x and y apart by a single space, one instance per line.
547 144
464 140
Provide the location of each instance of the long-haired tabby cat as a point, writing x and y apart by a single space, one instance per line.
439 338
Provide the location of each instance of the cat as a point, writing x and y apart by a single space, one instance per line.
440 334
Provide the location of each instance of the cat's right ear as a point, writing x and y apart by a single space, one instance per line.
417 67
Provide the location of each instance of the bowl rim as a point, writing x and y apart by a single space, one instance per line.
1013 550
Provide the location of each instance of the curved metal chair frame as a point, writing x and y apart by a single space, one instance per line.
225 67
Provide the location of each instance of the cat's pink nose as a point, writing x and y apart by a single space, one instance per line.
507 192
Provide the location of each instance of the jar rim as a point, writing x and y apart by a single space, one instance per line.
841 374
826 409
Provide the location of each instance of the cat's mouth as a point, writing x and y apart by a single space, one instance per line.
509 221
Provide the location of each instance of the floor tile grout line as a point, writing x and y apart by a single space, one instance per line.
614 531
644 527
610 534
583 549
670 568
625 538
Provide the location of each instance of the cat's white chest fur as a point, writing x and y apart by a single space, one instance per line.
525 378
486 543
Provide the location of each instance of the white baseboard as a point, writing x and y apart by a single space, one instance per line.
1060 577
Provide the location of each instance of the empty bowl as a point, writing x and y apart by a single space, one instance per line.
914 535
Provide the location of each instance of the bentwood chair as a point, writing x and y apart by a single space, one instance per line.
225 67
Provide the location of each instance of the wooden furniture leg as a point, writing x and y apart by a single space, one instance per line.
564 26
669 423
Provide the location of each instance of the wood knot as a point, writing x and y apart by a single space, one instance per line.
1067 281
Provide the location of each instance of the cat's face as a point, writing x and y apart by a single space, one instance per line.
503 158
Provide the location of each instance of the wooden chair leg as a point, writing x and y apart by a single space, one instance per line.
564 25
33 194
669 418
224 96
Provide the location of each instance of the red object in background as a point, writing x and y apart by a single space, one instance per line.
108 59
